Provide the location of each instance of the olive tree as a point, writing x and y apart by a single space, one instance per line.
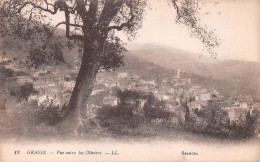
92 25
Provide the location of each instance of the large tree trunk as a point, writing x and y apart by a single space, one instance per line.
84 85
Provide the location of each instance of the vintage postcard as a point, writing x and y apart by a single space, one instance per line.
129 80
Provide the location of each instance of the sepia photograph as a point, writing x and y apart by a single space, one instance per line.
129 80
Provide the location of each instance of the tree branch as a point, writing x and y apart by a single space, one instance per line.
126 24
64 23
110 9
92 11
177 8
55 7
120 27
72 37
80 7
67 23
60 4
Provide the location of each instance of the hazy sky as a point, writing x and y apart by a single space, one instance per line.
237 24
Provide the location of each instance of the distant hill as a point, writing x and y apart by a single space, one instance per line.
142 67
190 62
242 76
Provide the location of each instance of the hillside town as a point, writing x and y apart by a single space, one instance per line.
54 86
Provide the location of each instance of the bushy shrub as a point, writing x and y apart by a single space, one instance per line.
119 119
22 92
49 115
7 73
224 128
153 108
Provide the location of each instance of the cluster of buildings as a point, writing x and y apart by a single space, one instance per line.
53 85
172 89
56 85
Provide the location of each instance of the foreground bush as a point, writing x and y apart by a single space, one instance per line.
48 115
225 129
119 119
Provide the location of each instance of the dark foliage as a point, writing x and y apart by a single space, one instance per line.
22 92
7 73
49 115
220 127
119 119
40 55
129 95
112 57
153 108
